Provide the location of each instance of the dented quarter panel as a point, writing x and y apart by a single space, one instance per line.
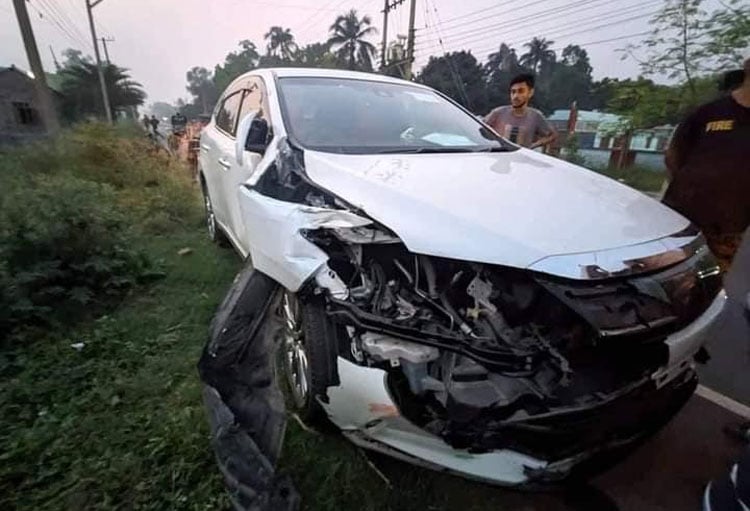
272 229
511 209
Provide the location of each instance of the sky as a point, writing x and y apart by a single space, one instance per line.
159 40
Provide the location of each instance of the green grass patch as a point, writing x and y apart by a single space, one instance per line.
640 178
118 423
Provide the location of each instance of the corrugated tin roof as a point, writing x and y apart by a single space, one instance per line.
585 115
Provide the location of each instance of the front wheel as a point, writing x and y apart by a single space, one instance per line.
308 354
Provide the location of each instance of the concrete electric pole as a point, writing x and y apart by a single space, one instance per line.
105 96
43 94
106 40
410 41
388 6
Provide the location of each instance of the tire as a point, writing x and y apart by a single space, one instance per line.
212 226
308 350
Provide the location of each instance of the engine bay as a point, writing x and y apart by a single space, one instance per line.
466 344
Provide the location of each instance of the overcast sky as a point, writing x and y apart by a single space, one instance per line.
159 40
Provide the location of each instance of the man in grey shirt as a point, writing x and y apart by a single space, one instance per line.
519 122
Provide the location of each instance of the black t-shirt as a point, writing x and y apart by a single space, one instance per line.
711 181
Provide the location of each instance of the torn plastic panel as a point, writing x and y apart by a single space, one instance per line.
275 228
245 406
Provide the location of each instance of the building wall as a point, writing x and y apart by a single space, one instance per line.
17 122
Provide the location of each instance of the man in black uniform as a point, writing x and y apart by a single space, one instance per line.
709 165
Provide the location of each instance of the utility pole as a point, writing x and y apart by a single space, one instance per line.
54 58
388 6
410 41
105 96
106 40
46 106
385 35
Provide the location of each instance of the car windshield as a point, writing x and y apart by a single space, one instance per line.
366 117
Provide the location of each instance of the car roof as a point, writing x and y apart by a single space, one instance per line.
314 72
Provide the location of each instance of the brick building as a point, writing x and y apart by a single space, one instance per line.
19 113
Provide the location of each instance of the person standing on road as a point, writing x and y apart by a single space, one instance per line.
708 161
154 124
518 122
146 122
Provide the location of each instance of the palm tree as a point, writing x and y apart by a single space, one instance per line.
347 39
539 55
280 43
82 93
504 59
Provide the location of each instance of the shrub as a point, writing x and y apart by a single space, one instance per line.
71 212
64 250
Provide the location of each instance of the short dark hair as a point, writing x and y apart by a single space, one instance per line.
526 78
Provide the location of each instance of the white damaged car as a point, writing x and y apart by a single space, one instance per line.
445 296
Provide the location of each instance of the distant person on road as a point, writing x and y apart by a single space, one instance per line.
708 161
519 122
179 122
154 124
146 122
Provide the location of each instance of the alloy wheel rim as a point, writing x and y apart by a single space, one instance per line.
295 355
210 219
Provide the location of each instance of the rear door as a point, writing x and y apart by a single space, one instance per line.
220 155
255 99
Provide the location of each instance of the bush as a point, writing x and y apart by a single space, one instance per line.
63 251
70 213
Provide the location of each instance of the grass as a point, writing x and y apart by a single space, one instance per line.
118 423
640 178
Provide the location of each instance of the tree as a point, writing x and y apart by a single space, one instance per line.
201 86
504 59
728 32
347 39
72 57
82 92
235 64
315 55
677 42
644 103
577 58
686 42
540 56
500 69
459 76
280 43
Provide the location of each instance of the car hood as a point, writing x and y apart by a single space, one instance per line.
512 209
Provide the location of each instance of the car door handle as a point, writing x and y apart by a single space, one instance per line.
206 147
225 163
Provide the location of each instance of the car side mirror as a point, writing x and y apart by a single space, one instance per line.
257 136
252 135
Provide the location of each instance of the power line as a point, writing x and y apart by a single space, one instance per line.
578 31
558 33
531 20
49 18
454 72
316 16
62 15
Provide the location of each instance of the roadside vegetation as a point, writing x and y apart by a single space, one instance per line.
104 321
102 324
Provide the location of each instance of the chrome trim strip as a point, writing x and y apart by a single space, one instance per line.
623 261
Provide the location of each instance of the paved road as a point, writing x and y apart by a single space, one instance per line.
728 371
